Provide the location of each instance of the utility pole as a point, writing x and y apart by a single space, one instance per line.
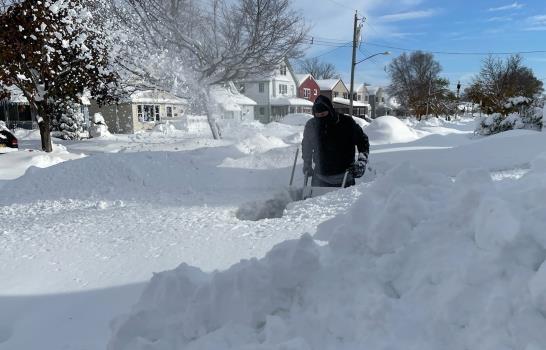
353 65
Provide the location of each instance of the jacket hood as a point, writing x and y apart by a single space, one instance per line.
323 103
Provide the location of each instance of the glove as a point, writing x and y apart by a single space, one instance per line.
358 168
307 169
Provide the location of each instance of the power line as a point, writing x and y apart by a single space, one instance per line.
461 53
330 51
392 47
342 4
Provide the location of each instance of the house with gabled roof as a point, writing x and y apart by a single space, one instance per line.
377 98
307 87
233 106
275 94
15 111
141 110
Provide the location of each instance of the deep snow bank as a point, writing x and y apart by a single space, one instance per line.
388 129
148 176
418 262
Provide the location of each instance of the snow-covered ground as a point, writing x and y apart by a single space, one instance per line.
439 246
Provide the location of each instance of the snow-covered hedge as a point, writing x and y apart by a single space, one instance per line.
531 118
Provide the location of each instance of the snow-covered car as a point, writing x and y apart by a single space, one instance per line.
8 142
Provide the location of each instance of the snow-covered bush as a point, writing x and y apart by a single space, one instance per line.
529 117
98 126
67 124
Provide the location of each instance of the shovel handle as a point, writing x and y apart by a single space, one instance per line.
294 166
345 179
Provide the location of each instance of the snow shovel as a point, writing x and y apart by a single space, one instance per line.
314 191
298 193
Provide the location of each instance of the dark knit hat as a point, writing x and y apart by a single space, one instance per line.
322 104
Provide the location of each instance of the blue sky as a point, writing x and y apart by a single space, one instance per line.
462 26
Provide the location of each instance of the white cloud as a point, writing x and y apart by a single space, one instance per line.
536 23
404 16
514 6
500 19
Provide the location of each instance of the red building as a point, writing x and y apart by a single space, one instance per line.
307 87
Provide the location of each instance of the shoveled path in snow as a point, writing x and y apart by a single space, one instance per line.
73 245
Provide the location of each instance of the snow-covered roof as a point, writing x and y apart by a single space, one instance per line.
290 101
302 77
230 98
372 90
16 95
345 101
156 96
327 84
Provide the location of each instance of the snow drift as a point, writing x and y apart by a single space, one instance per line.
418 262
388 129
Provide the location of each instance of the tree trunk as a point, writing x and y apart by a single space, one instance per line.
207 105
43 118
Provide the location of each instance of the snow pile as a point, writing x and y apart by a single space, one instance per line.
98 126
15 164
418 262
296 119
148 176
259 144
164 128
388 129
362 122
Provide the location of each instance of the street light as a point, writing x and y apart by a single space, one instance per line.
376 54
353 74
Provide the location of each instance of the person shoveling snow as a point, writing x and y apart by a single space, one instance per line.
329 141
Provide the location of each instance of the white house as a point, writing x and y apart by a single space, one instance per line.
275 94
376 96
141 110
233 106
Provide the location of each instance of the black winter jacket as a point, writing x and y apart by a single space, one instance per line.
330 143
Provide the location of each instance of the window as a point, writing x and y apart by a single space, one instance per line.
336 94
345 95
169 110
262 110
242 88
359 97
148 113
366 97
376 99
283 69
383 99
261 87
315 92
306 93
283 89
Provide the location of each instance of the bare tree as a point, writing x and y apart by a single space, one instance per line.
499 80
318 69
415 81
216 40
